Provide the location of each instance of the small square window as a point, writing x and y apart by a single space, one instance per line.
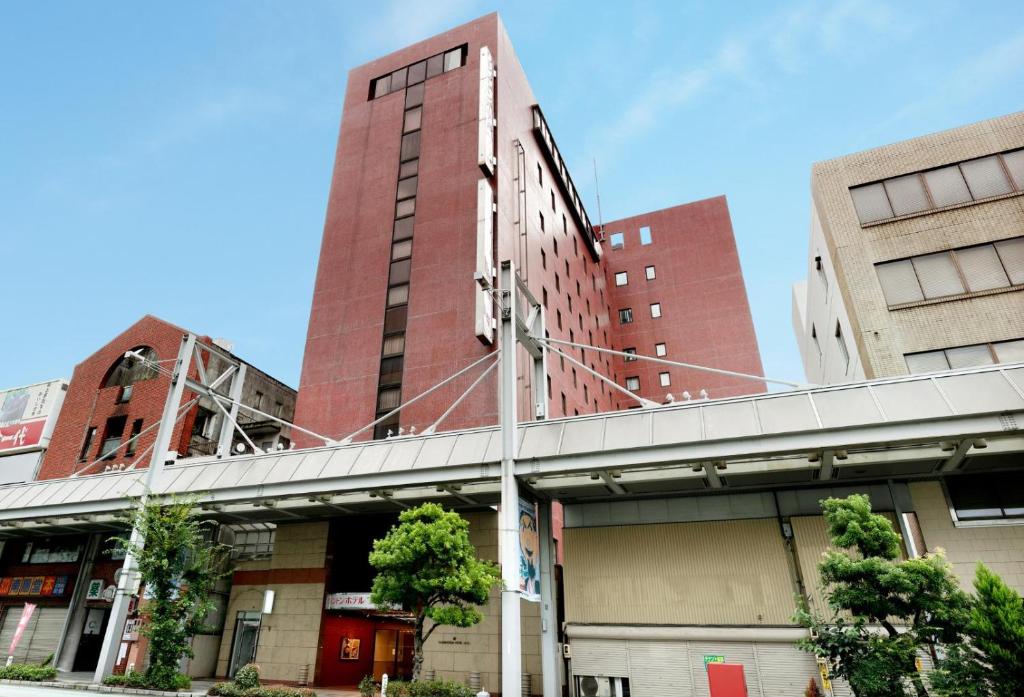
405 208
408 169
633 384
410 146
413 94
621 278
632 352
649 273
435 65
453 59
655 310
406 188
645 235
665 379
417 73
626 315
412 119
398 79
403 229
618 240
660 350
398 295
381 86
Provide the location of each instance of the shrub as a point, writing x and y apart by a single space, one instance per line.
141 681
25 671
428 688
248 676
230 689
367 686
812 689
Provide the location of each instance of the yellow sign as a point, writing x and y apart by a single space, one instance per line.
823 671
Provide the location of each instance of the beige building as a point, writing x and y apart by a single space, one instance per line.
917 256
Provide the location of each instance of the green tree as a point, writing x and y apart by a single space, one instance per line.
426 565
179 567
885 610
992 662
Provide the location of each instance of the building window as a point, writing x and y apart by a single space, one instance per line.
413 118
954 272
655 310
991 496
90 434
565 225
665 379
814 338
125 394
398 295
541 221
552 200
565 409
972 180
389 398
394 345
574 379
543 259
558 283
112 435
660 350
258 401
632 352
133 437
540 175
618 240
133 368
842 348
645 235
544 295
626 315
966 356
820 268
633 384
554 246
410 146
558 317
649 273
621 278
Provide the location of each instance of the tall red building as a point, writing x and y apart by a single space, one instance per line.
445 167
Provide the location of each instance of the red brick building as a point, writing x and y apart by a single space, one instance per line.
112 399
396 308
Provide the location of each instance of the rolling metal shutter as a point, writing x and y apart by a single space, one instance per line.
659 668
600 657
784 669
41 635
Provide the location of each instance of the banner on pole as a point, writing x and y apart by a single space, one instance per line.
26 615
529 552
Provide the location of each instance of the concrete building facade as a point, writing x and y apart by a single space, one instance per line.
916 256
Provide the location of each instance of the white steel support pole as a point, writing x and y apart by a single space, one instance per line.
227 427
550 659
125 583
511 650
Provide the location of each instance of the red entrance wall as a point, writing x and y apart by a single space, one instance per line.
333 670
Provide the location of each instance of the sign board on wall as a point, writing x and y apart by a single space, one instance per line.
484 321
348 601
25 415
485 151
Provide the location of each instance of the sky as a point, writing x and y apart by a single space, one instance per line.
175 158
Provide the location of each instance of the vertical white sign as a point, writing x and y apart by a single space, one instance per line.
485 149
484 260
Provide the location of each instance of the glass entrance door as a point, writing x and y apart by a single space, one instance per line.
247 634
392 653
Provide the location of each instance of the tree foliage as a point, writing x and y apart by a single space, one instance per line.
426 565
179 566
871 592
992 662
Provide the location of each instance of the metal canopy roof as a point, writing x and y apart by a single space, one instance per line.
904 427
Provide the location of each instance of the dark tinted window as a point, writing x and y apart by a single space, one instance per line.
395 319
410 146
435 65
985 496
417 73
403 229
414 94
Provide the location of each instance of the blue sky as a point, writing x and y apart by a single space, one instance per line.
175 158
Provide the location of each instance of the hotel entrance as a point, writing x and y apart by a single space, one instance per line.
355 646
393 653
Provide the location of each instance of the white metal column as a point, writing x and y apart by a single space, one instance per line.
550 660
227 428
126 581
511 644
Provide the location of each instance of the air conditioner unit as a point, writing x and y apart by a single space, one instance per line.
599 686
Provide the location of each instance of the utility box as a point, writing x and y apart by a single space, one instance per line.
726 680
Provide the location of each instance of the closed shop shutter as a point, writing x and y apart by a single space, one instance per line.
659 668
600 657
40 637
784 669
734 652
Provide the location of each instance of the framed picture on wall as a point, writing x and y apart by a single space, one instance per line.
349 649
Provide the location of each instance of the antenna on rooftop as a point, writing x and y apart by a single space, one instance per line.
597 189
